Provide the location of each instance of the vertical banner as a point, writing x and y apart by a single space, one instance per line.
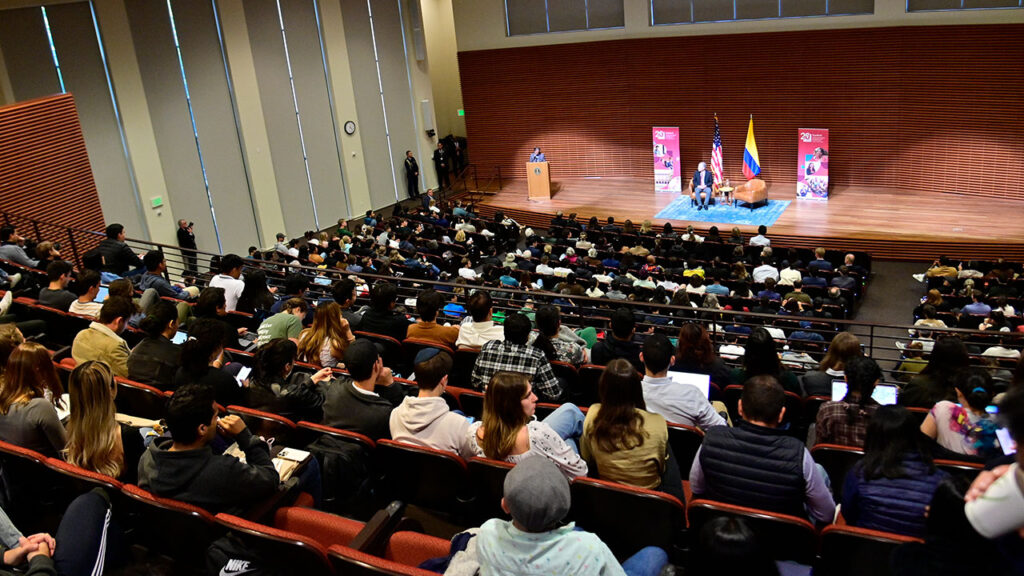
812 164
666 159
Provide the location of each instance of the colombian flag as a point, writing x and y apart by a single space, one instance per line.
751 163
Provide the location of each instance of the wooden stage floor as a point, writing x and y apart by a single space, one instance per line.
891 224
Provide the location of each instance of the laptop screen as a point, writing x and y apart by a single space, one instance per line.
102 294
1006 441
883 394
701 381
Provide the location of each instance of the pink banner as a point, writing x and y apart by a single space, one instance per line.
812 163
666 160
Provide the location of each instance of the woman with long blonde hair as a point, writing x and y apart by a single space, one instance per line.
325 342
28 400
509 431
94 436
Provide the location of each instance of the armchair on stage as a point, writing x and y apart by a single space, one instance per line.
538 179
693 195
752 192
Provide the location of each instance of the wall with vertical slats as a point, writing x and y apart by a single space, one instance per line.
44 168
931 108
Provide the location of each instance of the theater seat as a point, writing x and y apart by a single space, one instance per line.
852 551
488 480
433 479
352 562
685 441
266 424
787 537
837 460
327 529
288 552
170 527
752 192
142 400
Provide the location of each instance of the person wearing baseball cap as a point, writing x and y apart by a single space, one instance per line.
537 542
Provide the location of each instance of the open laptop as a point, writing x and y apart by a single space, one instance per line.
883 394
701 381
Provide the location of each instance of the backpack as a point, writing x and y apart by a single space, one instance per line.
347 477
230 555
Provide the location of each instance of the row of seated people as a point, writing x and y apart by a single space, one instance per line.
998 278
509 403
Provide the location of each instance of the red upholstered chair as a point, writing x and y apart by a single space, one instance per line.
837 460
488 480
787 537
628 518
472 403
308 432
412 346
351 562
142 400
171 528
462 367
390 350
852 551
960 467
35 501
685 441
433 479
75 480
288 552
589 375
323 527
266 424
412 548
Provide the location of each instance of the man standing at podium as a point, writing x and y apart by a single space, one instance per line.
412 174
537 155
441 165
702 181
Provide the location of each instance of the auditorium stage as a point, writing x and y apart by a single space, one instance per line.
890 224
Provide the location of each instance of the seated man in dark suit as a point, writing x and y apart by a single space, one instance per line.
703 180
844 280
819 261
757 465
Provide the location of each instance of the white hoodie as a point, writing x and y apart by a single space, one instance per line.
428 422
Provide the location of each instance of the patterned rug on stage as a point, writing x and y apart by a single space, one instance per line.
766 214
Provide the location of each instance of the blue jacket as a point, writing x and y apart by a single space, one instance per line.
891 504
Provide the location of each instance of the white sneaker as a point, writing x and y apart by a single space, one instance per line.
5 303
14 279
918 277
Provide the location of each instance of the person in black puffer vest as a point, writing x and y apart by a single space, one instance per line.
759 466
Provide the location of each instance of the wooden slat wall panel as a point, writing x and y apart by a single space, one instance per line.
44 167
925 108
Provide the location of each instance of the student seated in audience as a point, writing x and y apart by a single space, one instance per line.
202 362
56 294
28 399
936 380
845 422
185 468
479 328
762 237
553 341
425 419
509 430
274 386
87 286
256 298
363 402
677 403
12 247
964 427
890 488
155 359
843 348
287 323
912 364
696 354
156 268
325 342
118 257
619 343
96 441
622 441
344 293
428 303
755 464
512 354
229 280
102 341
762 358
381 318
727 545
535 541
819 262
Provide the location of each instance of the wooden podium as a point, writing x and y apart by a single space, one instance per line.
538 178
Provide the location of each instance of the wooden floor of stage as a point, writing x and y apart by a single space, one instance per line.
892 224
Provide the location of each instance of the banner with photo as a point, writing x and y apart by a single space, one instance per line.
812 164
666 159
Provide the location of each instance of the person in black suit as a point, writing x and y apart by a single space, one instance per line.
441 164
427 198
702 182
412 174
187 239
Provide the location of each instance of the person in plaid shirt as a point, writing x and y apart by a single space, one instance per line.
513 355
846 422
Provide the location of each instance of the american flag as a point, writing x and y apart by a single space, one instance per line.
716 155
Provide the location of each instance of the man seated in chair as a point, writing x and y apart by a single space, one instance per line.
185 468
535 541
757 465
702 183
